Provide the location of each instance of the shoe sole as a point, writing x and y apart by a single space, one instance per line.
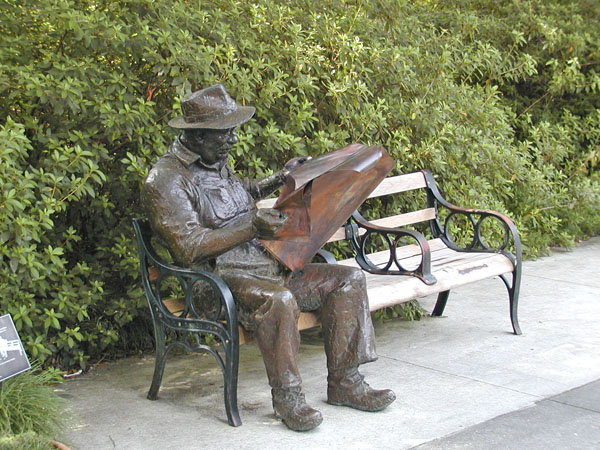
306 428
360 408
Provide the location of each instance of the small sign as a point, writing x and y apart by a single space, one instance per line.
13 359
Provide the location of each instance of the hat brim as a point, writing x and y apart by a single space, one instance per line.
242 114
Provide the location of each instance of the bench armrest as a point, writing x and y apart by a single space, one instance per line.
477 218
187 278
154 270
324 256
391 236
206 318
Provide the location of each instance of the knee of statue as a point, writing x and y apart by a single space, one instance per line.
284 300
352 279
356 275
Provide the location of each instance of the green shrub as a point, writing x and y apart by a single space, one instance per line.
31 413
25 441
410 311
499 99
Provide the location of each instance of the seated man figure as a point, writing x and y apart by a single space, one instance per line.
208 218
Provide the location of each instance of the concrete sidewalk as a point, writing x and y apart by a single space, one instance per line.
462 381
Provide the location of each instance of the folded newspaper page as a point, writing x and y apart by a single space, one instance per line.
320 195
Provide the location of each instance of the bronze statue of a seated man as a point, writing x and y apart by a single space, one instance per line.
208 218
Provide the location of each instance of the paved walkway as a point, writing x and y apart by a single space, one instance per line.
462 381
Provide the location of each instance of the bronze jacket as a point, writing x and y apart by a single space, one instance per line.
197 210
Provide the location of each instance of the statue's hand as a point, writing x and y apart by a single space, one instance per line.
293 164
267 222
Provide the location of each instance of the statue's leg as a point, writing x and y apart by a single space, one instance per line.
347 329
273 314
339 292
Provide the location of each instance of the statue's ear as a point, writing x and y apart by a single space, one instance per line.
192 135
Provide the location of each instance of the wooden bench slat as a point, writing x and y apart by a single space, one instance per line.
387 293
399 183
307 320
402 253
409 218
390 185
399 220
174 305
266 203
440 254
339 235
409 255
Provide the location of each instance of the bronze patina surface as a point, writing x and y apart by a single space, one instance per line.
208 218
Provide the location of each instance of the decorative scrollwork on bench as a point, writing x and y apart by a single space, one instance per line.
391 236
478 219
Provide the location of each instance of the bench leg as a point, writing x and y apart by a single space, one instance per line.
440 304
230 374
159 362
513 297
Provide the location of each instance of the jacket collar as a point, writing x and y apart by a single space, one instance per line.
181 152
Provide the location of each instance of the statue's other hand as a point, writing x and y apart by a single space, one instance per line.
294 163
268 221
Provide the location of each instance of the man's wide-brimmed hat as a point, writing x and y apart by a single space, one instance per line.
211 108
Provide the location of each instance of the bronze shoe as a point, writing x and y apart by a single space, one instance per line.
350 389
290 406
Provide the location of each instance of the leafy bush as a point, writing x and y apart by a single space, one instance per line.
499 99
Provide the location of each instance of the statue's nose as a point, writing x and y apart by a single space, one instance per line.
233 138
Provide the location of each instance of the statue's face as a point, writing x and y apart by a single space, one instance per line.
211 145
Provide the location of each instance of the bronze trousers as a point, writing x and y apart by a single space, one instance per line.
337 293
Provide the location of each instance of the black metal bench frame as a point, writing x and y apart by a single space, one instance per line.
359 231
188 325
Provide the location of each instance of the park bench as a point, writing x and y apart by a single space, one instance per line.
398 272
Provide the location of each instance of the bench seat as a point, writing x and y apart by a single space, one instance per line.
450 267
435 264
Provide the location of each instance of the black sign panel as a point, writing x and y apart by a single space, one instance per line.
13 359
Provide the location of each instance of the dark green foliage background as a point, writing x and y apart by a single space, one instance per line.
501 100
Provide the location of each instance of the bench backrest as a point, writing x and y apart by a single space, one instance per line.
390 185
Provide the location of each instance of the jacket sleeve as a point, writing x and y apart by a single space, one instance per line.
260 189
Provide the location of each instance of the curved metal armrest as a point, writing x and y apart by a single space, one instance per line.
391 237
187 278
189 318
476 217
326 256
189 327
